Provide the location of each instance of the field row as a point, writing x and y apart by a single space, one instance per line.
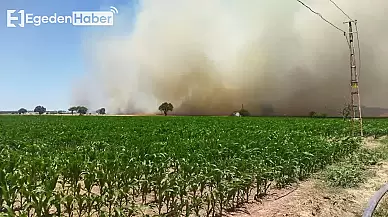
123 166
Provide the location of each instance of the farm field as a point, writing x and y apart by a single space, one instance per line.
133 166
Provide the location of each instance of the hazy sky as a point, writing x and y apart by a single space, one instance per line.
38 65
202 55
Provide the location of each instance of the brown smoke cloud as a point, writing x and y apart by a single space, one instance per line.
211 56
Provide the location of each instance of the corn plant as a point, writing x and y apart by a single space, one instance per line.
160 166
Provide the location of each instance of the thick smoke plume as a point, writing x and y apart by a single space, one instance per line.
210 56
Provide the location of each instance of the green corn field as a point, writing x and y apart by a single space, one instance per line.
160 166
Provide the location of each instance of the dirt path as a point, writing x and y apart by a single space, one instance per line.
314 198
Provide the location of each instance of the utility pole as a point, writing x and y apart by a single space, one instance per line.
355 99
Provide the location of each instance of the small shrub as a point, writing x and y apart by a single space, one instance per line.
317 115
351 171
244 113
366 156
344 175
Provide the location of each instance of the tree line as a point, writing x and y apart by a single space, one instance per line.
81 110
165 108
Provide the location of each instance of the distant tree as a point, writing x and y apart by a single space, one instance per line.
40 109
73 109
346 111
22 111
166 107
243 112
312 114
101 111
317 115
82 110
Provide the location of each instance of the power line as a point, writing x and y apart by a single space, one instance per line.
322 17
354 77
358 40
332 1
344 32
357 34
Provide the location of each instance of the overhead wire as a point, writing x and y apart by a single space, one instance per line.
344 32
332 1
327 21
357 34
320 15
